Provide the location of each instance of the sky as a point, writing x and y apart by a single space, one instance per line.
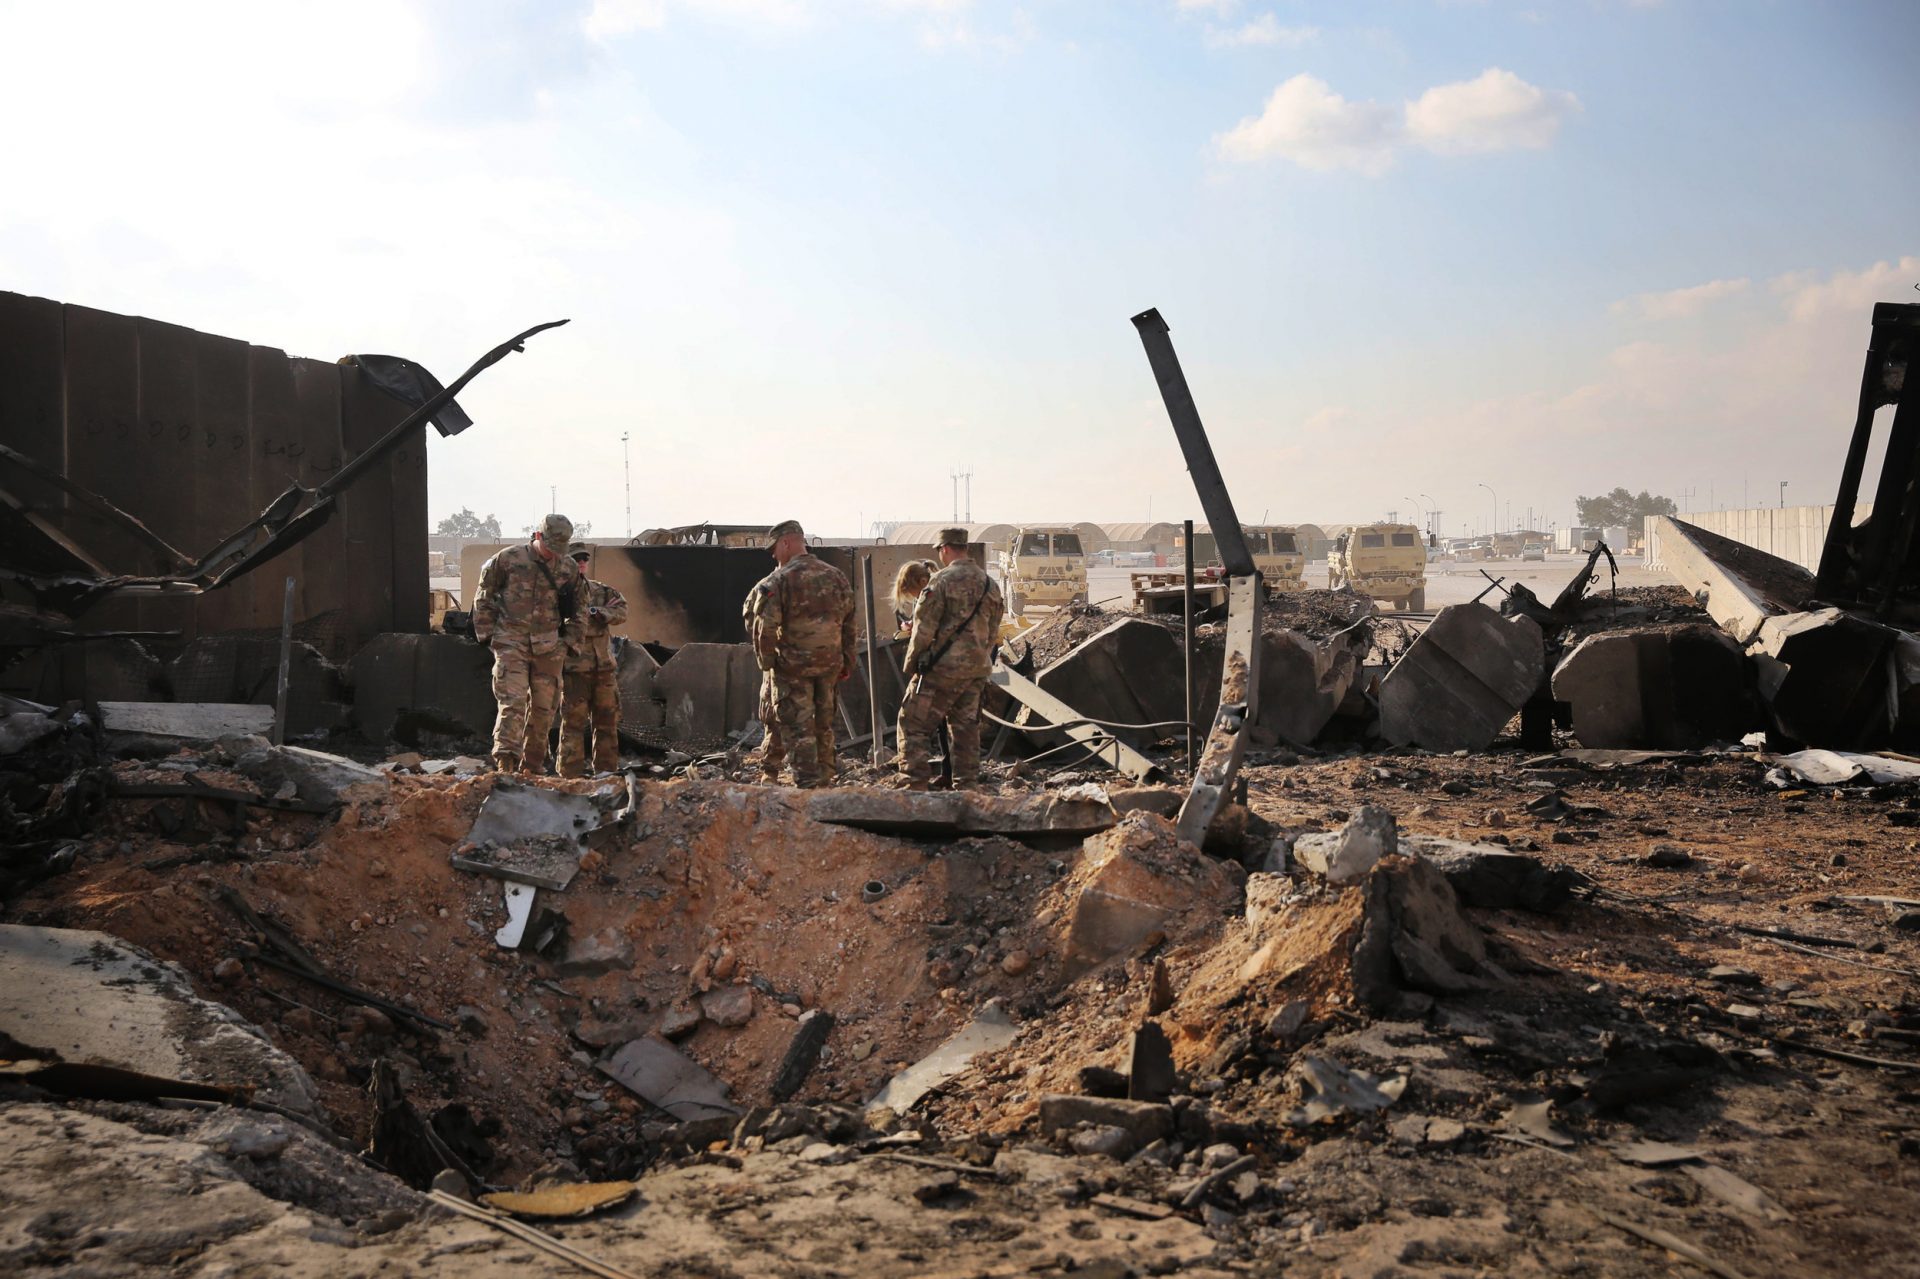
819 255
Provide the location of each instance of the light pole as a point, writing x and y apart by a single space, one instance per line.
1433 515
1418 513
1493 527
626 468
1783 495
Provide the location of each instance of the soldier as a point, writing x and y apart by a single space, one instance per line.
590 688
948 659
526 594
774 754
803 637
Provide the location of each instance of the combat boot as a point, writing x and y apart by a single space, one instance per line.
506 762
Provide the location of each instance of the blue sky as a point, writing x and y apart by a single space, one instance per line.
818 252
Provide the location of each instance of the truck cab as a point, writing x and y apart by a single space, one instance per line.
1386 562
1044 566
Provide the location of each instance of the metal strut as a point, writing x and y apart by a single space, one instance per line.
1240 675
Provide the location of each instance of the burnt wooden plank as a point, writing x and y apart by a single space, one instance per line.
366 505
271 414
222 474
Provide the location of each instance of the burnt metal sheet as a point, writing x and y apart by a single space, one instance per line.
529 835
314 448
32 400
667 1078
364 418
222 496
270 423
163 444
101 366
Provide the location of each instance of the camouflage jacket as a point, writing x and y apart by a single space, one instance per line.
947 608
800 617
518 601
590 641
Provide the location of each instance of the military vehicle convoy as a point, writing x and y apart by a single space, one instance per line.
1043 566
1387 562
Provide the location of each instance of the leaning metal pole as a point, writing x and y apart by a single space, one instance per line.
1240 674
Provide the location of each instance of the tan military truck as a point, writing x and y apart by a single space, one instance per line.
1276 553
1044 567
1387 562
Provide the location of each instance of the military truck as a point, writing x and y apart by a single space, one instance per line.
1276 553
1044 567
1387 562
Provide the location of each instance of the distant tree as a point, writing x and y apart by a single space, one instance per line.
464 523
1621 509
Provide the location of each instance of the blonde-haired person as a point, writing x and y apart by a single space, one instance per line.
908 584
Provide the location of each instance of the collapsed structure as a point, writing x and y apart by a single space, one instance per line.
1359 995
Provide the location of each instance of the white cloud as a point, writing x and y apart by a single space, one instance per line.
1495 111
1306 122
610 19
1219 7
1263 31
1848 292
1676 304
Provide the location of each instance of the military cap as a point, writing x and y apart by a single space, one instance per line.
582 553
780 530
556 531
952 537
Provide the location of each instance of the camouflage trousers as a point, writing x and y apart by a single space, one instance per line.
589 706
804 707
773 756
957 702
526 689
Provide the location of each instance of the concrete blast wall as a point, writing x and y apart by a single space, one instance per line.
1793 533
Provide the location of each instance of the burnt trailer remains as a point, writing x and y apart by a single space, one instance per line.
148 470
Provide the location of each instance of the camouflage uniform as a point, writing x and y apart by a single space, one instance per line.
590 684
950 690
803 638
774 754
517 613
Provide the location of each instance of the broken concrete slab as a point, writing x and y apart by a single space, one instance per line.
1143 1122
1128 882
803 1052
706 697
1303 682
1739 586
246 668
174 724
529 834
961 812
1351 851
1837 768
1133 672
640 705
1330 1091
1670 687
93 998
1461 682
990 1030
317 777
663 1076
1495 878
407 685
1829 678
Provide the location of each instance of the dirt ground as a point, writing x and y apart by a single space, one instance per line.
1639 1011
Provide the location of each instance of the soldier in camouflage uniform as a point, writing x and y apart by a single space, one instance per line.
525 593
802 625
949 657
590 689
774 754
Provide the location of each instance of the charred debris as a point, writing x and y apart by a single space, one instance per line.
1525 937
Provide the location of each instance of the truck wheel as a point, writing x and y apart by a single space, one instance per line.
1417 601
1017 604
